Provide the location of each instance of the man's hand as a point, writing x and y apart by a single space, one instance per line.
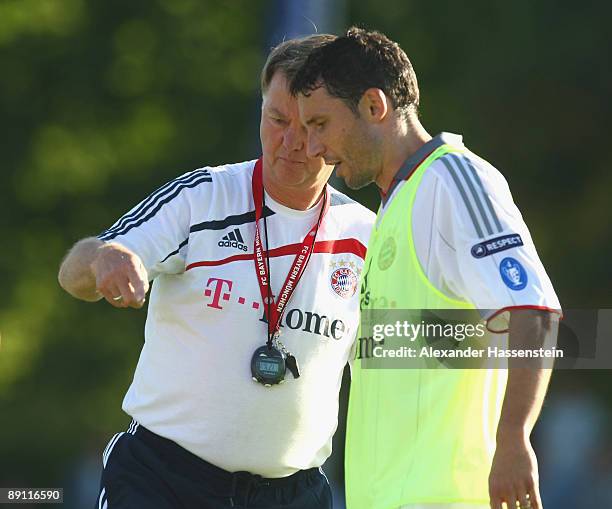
514 475
120 276
93 269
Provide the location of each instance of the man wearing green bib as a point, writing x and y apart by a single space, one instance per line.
448 236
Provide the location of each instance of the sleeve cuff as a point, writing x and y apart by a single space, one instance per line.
496 317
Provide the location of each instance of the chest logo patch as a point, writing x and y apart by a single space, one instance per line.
387 253
344 279
233 239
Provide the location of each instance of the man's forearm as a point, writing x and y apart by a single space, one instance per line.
523 401
526 387
75 274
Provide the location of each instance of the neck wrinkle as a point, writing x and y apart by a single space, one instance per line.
305 200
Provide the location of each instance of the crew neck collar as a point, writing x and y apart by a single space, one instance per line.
279 208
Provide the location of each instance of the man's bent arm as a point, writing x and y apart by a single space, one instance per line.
94 269
514 473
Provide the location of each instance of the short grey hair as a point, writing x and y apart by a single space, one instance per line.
289 56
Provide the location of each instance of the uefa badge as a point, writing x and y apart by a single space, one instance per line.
344 278
513 274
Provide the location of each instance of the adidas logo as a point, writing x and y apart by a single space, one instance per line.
233 239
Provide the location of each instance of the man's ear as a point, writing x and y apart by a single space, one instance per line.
373 105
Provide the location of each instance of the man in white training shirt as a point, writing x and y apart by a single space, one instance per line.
252 316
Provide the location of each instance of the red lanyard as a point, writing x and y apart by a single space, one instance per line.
274 311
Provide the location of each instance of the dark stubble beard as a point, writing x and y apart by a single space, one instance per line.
358 179
365 159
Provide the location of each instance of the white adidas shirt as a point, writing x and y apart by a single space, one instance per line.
193 381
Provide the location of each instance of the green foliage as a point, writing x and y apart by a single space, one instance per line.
101 102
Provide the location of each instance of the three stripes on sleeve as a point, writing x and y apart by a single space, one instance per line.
154 202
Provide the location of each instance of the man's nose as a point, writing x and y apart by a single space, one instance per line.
293 139
314 147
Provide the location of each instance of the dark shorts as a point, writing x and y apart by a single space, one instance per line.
145 471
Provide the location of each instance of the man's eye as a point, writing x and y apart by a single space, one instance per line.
279 121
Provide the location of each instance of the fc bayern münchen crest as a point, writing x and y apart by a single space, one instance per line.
387 253
344 279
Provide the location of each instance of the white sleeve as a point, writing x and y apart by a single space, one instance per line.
157 229
484 249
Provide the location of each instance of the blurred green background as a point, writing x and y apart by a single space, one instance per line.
103 101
